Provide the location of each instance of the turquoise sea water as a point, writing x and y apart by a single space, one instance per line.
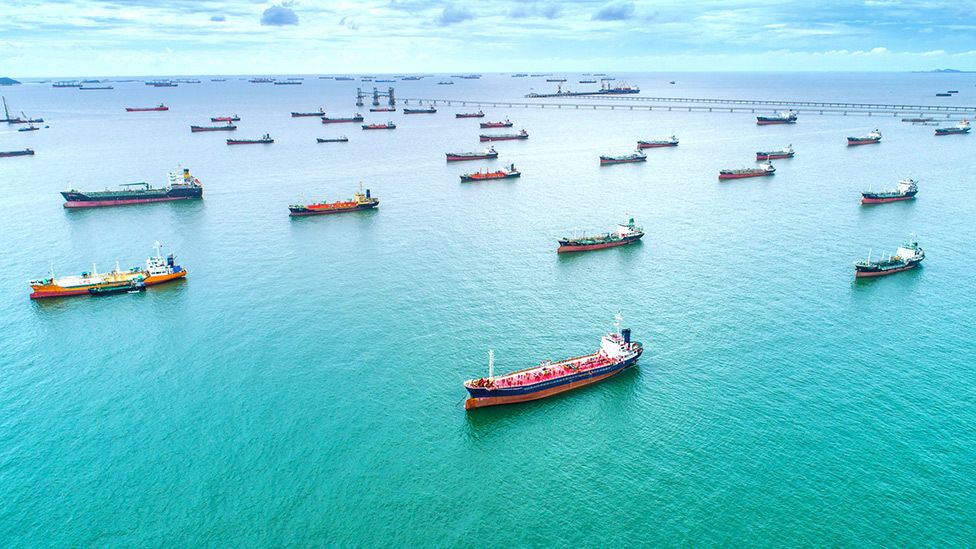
303 385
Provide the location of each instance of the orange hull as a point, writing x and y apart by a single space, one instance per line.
472 403
53 290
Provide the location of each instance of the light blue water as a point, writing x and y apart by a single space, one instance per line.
303 385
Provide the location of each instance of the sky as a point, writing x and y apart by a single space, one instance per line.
190 37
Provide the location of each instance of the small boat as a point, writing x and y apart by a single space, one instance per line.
382 109
225 128
488 154
763 170
623 159
384 81
625 234
869 139
960 128
906 190
356 118
505 137
669 142
943 95
233 118
319 113
264 140
133 286
446 83
952 91
30 128
555 79
504 124
360 201
342 139
159 107
906 257
388 126
785 117
507 173
425 110
786 152
25 152
478 114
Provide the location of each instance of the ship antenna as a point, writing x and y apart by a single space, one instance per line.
491 364
617 318
158 247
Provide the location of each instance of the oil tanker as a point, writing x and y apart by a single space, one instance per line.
906 257
181 187
906 190
763 170
786 117
360 201
869 139
669 142
488 154
626 233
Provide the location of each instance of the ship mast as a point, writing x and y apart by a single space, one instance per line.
617 318
6 113
158 250
491 364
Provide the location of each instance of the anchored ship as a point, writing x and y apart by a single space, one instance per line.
182 186
625 234
616 353
869 139
785 117
488 154
320 112
355 118
225 128
505 137
25 152
961 127
906 190
160 107
233 118
763 170
623 159
22 119
340 139
786 152
497 174
504 124
478 114
388 126
425 110
157 271
360 201
669 142
907 256
264 140
382 109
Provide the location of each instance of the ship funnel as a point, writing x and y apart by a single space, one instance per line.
186 173
625 333
367 193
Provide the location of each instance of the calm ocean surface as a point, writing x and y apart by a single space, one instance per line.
303 385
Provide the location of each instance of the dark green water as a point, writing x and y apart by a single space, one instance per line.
303 385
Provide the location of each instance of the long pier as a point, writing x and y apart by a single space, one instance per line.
679 104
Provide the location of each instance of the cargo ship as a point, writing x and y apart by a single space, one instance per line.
360 201
906 257
869 139
763 170
264 140
341 139
786 117
488 154
25 152
157 271
623 159
669 142
425 110
89 88
616 353
625 234
357 118
961 127
506 173
182 186
319 113
504 124
159 107
478 114
587 81
228 127
382 109
620 89
906 190
287 82
786 152
66 84
233 118
388 126
505 136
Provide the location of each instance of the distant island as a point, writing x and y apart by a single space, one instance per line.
943 70
4 81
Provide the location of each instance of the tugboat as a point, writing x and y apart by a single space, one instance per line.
320 113
786 117
30 128
360 201
357 118
764 169
156 271
786 152
234 118
505 137
906 190
488 154
961 127
225 128
505 124
616 353
341 139
264 140
478 114
869 139
624 159
508 173
625 234
181 187
424 110
25 152
906 257
159 107
669 142
388 126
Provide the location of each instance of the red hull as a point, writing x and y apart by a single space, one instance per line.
772 156
773 122
742 175
495 401
340 120
610 162
66 293
463 158
103 203
563 249
655 145
860 274
884 200
863 142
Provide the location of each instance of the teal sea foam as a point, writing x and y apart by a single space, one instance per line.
303 385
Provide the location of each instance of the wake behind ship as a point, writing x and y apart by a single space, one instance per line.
616 353
181 187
